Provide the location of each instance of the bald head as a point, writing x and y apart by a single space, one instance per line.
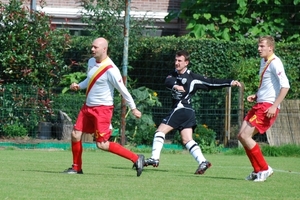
101 41
99 49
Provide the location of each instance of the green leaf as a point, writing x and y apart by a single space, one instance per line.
196 16
255 31
207 16
241 10
242 3
254 15
236 27
223 19
277 2
65 90
199 30
147 119
191 24
225 34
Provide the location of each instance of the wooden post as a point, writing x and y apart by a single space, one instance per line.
241 108
227 116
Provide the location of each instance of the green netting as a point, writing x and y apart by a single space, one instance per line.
45 145
66 145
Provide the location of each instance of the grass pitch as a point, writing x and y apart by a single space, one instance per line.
36 174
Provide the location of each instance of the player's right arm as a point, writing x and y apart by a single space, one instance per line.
74 86
252 98
78 86
171 81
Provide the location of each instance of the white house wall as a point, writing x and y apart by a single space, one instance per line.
67 12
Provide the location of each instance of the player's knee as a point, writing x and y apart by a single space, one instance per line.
239 136
102 145
191 145
242 136
159 136
76 135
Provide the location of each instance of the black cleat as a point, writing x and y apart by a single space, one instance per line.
203 167
139 165
252 176
151 161
71 170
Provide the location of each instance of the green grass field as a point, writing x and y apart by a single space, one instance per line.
36 174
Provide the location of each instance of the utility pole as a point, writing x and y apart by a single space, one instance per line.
33 5
125 68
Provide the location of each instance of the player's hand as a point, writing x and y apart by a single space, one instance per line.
270 112
179 88
252 98
74 86
236 83
136 113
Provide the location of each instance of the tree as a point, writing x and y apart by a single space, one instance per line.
240 19
31 49
105 18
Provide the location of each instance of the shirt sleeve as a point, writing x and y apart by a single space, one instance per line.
279 72
211 83
83 84
91 64
115 78
170 81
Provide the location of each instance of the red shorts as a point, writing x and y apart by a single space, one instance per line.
96 119
257 118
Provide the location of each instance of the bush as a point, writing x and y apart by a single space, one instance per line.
140 131
205 137
24 105
14 130
70 103
288 150
32 51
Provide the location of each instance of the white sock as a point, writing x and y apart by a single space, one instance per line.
158 142
195 151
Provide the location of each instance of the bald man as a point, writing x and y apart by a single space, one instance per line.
95 116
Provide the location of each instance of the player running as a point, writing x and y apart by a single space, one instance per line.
184 84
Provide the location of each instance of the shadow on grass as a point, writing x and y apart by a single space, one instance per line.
86 174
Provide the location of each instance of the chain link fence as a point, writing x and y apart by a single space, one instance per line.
40 111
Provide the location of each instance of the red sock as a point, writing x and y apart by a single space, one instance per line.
77 155
258 156
254 164
121 151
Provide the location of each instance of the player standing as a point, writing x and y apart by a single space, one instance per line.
274 86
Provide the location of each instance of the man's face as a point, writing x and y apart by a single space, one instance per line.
180 63
98 49
264 49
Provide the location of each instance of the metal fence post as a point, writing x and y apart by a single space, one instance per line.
125 67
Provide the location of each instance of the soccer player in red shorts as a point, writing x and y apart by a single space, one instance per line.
273 87
95 115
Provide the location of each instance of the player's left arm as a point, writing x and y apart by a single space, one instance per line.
209 83
270 112
117 81
279 74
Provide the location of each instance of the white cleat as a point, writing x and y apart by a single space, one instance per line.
263 175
